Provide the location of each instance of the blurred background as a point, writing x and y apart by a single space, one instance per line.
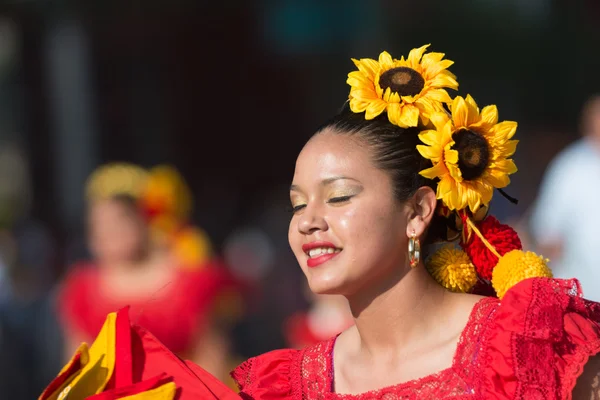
227 93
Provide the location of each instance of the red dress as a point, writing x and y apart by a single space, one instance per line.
175 314
531 345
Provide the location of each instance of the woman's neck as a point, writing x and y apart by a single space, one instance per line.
398 315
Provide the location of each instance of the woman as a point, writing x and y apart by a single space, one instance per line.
368 188
404 164
169 296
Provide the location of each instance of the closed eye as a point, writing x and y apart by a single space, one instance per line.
341 199
297 208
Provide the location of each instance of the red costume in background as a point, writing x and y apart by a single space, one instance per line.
175 314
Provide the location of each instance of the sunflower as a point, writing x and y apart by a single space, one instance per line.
405 89
470 153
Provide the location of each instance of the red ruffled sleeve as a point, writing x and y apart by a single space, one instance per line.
269 376
541 337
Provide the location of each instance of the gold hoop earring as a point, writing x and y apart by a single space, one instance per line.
414 250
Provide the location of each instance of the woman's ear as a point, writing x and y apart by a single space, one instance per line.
421 211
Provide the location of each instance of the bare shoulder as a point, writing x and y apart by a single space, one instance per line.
464 304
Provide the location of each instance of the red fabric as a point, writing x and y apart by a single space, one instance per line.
531 345
151 358
151 364
123 361
132 388
175 314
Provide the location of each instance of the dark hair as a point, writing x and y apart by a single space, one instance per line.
394 150
127 201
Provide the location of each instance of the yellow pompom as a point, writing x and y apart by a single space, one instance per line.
515 266
452 268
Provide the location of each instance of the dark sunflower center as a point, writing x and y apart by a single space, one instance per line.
473 153
402 80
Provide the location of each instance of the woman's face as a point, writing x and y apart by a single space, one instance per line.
117 232
347 231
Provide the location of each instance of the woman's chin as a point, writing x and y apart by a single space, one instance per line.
326 285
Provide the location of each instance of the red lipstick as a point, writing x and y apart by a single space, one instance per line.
318 260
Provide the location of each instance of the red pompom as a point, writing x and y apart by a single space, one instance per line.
502 237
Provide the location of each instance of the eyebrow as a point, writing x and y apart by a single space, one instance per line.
324 182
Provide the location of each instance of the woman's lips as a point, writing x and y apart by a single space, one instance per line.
315 262
319 252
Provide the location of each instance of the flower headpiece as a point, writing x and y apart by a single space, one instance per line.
470 155
167 202
164 198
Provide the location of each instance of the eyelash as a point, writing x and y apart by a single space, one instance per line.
334 200
340 199
294 210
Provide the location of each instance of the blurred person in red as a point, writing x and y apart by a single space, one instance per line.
146 255
557 224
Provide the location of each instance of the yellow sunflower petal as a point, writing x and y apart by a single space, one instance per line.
408 99
439 120
436 171
444 79
445 186
496 178
431 137
473 114
358 79
454 171
431 58
414 57
410 115
473 199
460 112
375 108
506 166
431 153
358 105
387 95
455 198
394 112
451 156
367 66
435 68
427 106
489 115
504 150
365 94
447 132
485 191
504 130
439 95
386 61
